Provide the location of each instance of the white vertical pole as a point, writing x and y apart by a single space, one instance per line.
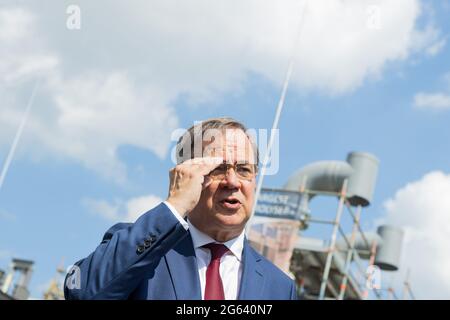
280 106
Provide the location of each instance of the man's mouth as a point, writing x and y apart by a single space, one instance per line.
230 203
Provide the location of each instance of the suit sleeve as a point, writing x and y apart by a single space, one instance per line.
127 254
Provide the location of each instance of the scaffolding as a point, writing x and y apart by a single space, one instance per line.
338 270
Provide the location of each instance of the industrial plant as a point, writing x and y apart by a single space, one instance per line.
342 261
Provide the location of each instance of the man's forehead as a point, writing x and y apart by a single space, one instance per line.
232 145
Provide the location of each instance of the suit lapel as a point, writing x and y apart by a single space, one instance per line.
252 281
182 265
183 269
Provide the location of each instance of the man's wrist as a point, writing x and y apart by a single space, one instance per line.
176 213
179 209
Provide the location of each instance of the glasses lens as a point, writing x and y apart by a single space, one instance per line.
242 171
219 173
245 171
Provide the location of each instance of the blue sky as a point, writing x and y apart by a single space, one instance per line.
96 148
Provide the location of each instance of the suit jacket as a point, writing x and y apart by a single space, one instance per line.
154 259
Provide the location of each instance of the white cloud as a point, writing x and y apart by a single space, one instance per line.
339 47
200 49
23 55
120 210
115 80
85 116
433 101
422 208
98 113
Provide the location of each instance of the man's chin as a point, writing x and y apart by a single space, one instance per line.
231 219
226 211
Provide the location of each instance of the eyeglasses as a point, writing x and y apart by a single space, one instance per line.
243 171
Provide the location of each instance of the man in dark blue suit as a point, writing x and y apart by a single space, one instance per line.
193 245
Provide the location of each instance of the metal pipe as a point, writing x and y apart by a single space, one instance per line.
321 221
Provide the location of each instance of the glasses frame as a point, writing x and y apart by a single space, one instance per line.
234 167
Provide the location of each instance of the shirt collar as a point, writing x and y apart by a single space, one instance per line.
199 239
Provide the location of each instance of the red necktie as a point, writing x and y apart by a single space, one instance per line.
214 287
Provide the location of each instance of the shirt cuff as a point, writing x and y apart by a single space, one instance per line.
177 215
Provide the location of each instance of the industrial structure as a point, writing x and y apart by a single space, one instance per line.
338 264
14 284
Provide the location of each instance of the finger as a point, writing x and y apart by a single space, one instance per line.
202 165
206 182
193 161
205 160
209 164
212 160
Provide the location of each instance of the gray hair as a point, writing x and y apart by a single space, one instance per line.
187 140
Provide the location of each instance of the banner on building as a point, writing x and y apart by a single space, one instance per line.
273 230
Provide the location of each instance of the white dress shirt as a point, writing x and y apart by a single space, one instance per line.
230 264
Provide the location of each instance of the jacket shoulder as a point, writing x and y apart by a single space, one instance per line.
118 226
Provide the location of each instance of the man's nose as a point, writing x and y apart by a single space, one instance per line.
231 180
